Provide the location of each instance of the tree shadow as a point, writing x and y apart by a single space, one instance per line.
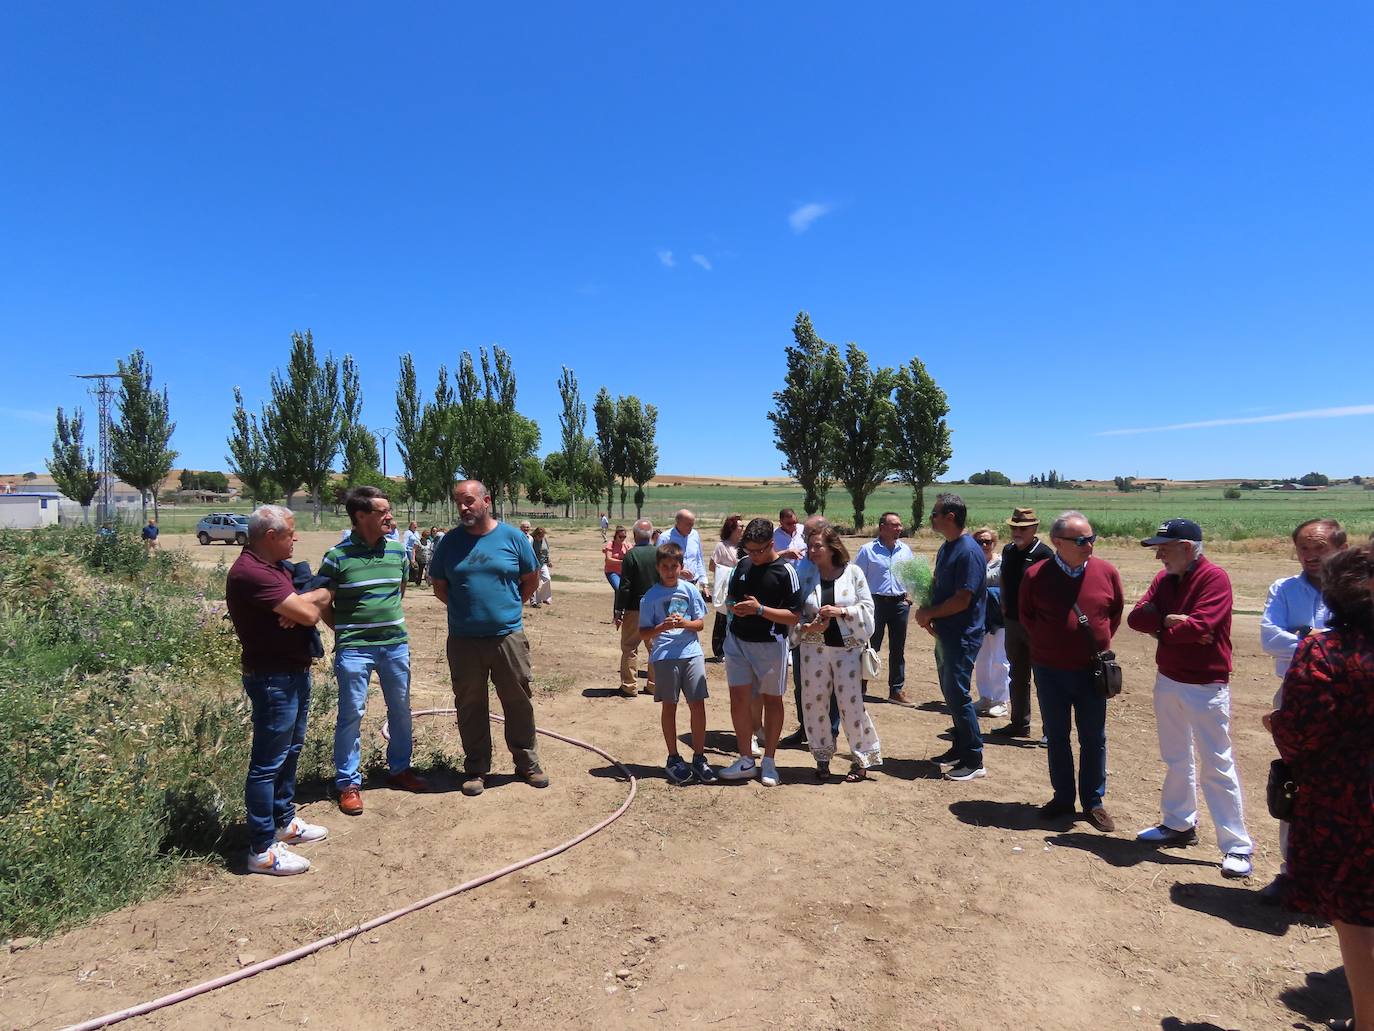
1322 997
910 769
1011 816
1240 907
1121 852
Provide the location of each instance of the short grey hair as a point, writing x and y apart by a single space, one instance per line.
268 517
1059 525
644 531
1197 549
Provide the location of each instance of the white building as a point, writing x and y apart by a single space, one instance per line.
38 508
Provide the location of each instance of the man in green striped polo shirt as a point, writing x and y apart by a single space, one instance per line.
365 574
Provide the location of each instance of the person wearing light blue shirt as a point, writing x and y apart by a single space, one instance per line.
1293 610
411 541
685 536
891 603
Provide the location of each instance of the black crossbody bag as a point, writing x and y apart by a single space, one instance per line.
1106 670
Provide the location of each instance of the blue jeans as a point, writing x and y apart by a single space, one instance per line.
796 695
954 659
1069 696
281 704
890 614
614 580
353 669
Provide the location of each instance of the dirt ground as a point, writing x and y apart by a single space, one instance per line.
906 901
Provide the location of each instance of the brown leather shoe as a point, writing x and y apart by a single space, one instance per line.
900 698
535 777
1102 820
407 780
351 801
474 785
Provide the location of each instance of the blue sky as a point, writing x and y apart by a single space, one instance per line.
1084 218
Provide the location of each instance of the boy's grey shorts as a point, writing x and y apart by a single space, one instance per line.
680 676
762 664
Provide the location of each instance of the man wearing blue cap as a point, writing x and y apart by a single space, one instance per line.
1187 609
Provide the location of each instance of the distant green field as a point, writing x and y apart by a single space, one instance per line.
1255 514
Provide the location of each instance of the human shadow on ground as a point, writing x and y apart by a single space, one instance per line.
603 692
910 769
1012 742
1174 1024
1011 816
1121 852
1240 907
1322 998
930 706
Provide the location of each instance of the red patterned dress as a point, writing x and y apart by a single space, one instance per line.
1325 731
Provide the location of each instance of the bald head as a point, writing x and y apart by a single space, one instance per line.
644 531
814 524
684 521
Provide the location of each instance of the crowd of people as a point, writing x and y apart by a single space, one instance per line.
791 604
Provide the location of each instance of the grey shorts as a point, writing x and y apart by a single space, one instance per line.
680 676
761 664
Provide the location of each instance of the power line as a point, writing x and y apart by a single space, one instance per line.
103 395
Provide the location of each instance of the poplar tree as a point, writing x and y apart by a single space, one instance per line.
864 417
639 424
139 454
607 442
804 412
408 429
361 455
572 421
72 465
920 439
303 424
247 456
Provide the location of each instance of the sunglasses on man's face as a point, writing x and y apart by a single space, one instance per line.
1080 540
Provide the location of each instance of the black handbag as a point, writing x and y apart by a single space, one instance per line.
1106 670
1282 791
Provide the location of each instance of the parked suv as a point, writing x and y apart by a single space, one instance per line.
223 526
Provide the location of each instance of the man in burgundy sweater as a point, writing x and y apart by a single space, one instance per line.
1062 657
1188 610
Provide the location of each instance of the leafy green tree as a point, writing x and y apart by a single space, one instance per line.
990 478
440 435
408 430
608 447
804 415
865 417
640 426
361 453
139 454
1314 480
493 438
920 439
572 422
247 458
303 425
72 465
627 419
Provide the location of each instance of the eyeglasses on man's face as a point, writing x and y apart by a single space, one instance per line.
1081 539
756 549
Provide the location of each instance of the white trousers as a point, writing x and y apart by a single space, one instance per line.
992 671
1189 715
826 671
544 592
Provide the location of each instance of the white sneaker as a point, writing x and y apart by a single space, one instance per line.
757 746
298 832
278 861
1236 865
743 768
770 777
997 711
962 772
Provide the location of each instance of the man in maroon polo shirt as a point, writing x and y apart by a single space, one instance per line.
1187 609
1062 657
273 625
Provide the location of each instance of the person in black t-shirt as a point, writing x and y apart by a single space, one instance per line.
764 602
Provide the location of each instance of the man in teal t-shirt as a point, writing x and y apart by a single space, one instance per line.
484 572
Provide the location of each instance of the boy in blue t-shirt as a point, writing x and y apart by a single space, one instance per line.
671 614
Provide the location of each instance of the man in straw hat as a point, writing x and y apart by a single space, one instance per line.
1024 551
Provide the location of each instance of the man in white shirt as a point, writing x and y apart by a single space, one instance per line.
891 603
685 536
788 540
1293 610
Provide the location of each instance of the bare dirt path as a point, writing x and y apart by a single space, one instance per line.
905 901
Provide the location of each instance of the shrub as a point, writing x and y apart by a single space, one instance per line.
1231 494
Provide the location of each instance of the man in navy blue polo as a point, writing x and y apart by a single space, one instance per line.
955 616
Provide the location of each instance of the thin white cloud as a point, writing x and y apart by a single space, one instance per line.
28 415
1310 413
666 258
703 261
802 217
